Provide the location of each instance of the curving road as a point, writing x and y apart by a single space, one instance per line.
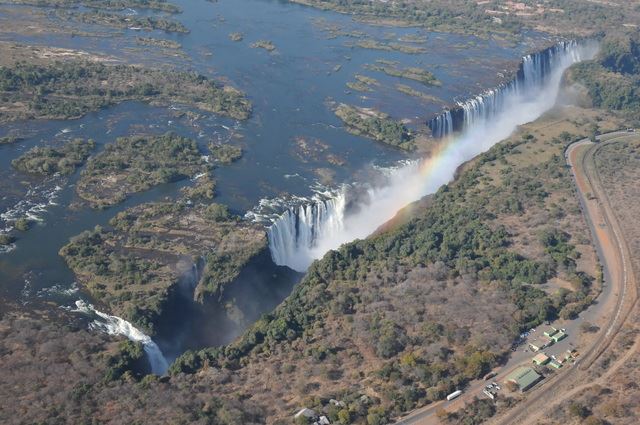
621 290
615 258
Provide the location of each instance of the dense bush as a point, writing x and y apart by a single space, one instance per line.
378 126
120 21
137 163
130 358
49 161
225 154
613 79
72 88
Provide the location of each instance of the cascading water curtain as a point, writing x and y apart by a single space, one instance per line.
307 232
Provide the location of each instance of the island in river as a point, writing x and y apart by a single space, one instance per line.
135 267
185 167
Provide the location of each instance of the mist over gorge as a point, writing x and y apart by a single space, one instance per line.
318 212
306 232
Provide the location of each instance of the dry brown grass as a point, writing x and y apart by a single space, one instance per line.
613 396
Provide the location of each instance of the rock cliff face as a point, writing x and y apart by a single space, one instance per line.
89 376
408 315
533 73
135 267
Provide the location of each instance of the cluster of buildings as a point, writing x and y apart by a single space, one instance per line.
550 337
526 377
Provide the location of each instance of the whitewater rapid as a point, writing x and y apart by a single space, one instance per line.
114 325
306 232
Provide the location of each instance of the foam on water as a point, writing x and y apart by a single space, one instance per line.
33 205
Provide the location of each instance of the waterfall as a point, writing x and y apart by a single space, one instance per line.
534 72
294 235
114 325
305 232
442 125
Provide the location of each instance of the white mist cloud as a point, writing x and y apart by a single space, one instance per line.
296 243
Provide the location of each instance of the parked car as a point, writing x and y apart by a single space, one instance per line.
491 374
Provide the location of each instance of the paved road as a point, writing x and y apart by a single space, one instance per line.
608 245
615 258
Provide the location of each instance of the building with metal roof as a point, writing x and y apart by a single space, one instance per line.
541 359
555 364
524 377
558 336
541 343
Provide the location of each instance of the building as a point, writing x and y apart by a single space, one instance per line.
555 364
550 332
546 341
541 359
535 346
524 377
558 336
541 343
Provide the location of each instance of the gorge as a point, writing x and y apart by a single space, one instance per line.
306 232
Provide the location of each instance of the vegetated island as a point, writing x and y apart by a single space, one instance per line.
203 190
417 74
389 47
158 5
500 18
134 267
9 140
115 20
225 153
158 42
6 239
403 88
264 44
137 163
48 161
362 83
64 90
376 125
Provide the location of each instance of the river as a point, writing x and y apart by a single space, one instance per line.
290 89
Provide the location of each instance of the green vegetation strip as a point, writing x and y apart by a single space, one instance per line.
115 20
417 74
376 125
134 164
159 5
65 90
48 161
